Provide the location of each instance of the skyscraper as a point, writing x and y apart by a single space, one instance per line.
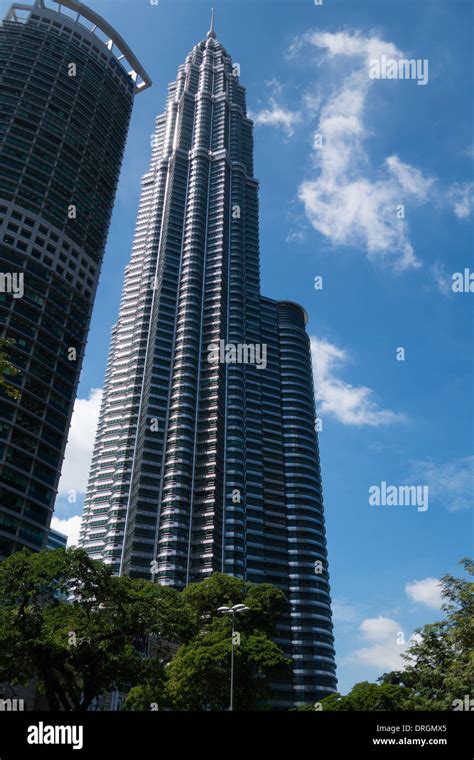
206 456
67 84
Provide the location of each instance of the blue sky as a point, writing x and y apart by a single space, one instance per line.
331 211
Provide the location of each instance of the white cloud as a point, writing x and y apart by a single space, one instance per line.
385 644
344 611
295 236
379 629
78 456
384 656
349 404
346 198
427 591
347 201
274 85
451 483
461 197
383 640
311 103
277 116
70 526
352 44
442 278
410 179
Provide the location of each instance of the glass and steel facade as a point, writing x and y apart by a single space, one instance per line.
56 540
202 465
65 105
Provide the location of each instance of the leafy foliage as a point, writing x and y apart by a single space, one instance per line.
80 648
199 676
152 690
440 661
68 622
371 697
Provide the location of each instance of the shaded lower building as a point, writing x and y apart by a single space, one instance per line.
56 540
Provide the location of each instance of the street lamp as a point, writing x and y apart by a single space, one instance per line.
232 611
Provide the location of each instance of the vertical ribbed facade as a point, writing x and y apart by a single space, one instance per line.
203 465
65 105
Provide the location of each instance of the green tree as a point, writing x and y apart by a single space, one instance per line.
7 368
199 675
266 602
80 648
365 696
440 660
151 693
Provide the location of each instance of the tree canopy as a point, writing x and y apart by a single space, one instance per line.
198 677
80 631
440 660
68 622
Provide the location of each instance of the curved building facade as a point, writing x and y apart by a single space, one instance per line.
206 456
65 104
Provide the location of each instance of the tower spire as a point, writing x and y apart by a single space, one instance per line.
211 32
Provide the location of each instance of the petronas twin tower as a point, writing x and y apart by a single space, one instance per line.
206 457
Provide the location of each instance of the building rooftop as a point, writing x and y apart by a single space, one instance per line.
97 26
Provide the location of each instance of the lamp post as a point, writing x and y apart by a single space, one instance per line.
232 611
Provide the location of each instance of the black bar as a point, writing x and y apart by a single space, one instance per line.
310 734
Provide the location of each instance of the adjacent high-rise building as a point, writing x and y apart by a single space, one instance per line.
56 540
206 456
67 85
